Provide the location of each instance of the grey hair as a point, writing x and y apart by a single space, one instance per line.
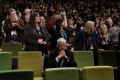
61 40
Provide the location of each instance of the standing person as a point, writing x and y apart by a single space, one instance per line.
90 35
26 16
60 32
103 40
34 39
114 31
61 56
44 30
13 27
70 29
109 22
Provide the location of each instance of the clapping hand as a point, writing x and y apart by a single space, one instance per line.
40 41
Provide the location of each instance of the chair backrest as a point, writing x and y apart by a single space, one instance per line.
118 57
84 58
5 61
98 73
16 75
61 74
13 47
107 57
31 60
1 41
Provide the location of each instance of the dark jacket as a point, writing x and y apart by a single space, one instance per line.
31 36
103 43
19 30
70 62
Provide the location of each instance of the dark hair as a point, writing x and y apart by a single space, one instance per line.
117 20
58 23
32 17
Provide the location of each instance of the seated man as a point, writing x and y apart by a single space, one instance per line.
61 56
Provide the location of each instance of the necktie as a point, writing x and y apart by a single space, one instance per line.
62 61
38 29
63 34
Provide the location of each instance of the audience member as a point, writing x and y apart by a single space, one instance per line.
13 27
103 40
114 31
61 56
34 39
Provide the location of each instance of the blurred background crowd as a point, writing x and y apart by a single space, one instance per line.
86 23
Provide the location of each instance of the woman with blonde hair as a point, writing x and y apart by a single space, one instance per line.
103 40
91 34
89 27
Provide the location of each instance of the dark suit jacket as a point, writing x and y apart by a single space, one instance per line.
31 36
45 32
81 41
70 62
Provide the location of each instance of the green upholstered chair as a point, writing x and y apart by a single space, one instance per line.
16 75
5 60
107 57
84 58
61 74
38 78
98 73
13 47
31 60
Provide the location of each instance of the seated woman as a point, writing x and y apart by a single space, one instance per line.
61 56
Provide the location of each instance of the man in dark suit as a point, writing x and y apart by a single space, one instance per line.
61 57
33 36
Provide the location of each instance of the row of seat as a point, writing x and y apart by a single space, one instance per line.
33 60
85 73
82 58
70 73
103 58
88 58
85 58
26 60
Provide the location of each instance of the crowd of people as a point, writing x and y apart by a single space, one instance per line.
41 26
